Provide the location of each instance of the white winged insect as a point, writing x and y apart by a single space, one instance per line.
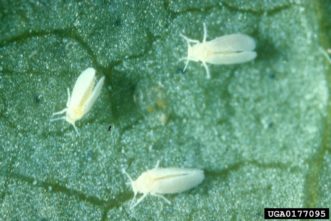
227 49
83 96
159 181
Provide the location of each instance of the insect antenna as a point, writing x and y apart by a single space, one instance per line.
204 32
129 177
56 119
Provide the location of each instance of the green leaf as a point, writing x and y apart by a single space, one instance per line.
260 130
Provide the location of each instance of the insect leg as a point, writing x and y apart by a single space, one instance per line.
75 129
326 54
162 197
139 200
186 64
207 69
182 59
157 164
60 112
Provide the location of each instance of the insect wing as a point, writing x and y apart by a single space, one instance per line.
95 94
232 58
175 180
83 88
231 43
